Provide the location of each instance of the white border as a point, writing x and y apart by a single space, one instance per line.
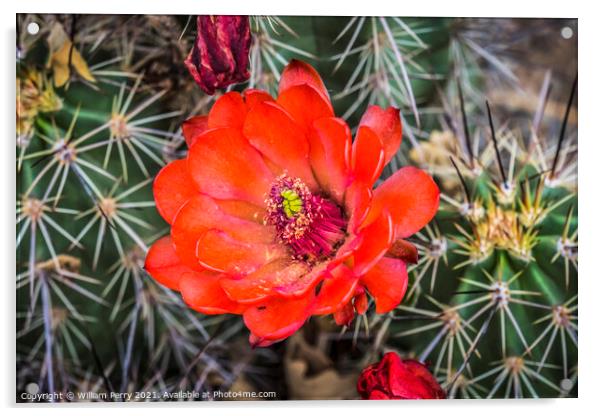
590 158
506 8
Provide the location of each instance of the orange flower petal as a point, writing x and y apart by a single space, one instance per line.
349 247
228 111
367 156
329 141
357 204
412 198
303 284
164 265
201 214
360 302
225 166
218 251
241 209
377 238
193 128
172 188
253 97
344 315
337 290
277 318
259 285
272 131
387 282
300 73
203 293
259 342
197 216
387 125
305 105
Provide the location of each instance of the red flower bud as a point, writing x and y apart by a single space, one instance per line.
393 379
221 52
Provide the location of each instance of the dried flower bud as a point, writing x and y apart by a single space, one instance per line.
220 55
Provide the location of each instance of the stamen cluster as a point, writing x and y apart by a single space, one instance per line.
310 225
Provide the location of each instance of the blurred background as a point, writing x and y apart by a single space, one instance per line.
491 306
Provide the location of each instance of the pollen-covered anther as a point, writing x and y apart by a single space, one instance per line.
310 225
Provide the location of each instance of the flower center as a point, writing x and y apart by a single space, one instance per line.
291 202
312 226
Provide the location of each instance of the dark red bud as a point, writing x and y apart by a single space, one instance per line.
220 54
394 379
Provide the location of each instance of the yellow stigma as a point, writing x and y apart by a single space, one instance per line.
291 202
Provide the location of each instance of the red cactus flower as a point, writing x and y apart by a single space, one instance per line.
220 54
273 213
393 379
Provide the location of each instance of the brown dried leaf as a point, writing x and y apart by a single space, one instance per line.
61 51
